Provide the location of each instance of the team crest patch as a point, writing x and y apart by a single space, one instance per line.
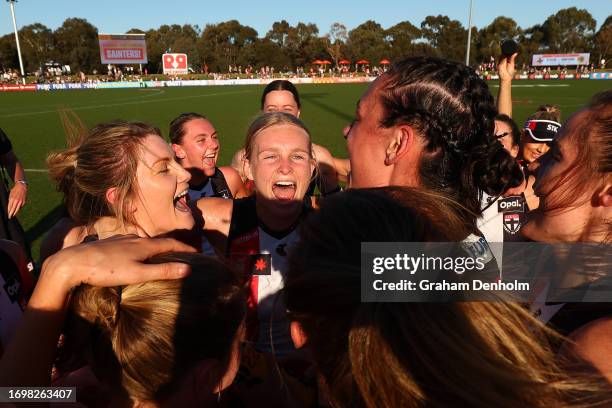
260 264
512 223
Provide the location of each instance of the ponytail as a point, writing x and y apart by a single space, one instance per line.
493 169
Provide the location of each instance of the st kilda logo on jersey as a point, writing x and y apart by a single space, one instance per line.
175 64
512 223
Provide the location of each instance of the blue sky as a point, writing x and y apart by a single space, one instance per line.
113 16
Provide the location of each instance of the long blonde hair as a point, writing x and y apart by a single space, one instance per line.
141 339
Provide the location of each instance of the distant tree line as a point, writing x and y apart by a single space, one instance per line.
284 46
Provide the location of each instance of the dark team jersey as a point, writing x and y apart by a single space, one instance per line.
214 186
10 228
261 255
5 143
12 298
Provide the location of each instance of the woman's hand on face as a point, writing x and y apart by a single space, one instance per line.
115 261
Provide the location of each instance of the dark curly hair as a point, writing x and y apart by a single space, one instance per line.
453 110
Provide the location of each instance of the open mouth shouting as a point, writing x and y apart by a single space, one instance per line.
284 190
180 201
210 160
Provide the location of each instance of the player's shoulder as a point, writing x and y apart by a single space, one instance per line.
230 173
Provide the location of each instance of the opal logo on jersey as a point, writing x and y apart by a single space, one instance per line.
175 64
510 203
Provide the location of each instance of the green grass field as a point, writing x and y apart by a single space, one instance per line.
32 121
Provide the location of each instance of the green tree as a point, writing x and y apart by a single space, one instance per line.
279 33
37 45
569 30
335 41
490 37
267 53
603 39
447 36
77 45
433 27
531 41
173 38
303 44
294 42
367 41
8 52
226 43
401 38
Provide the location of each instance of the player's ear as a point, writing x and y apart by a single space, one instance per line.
179 152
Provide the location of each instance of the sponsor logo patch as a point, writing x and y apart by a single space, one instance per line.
514 203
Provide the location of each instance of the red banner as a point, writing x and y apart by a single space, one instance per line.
122 48
17 88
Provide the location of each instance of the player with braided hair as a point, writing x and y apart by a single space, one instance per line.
429 123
